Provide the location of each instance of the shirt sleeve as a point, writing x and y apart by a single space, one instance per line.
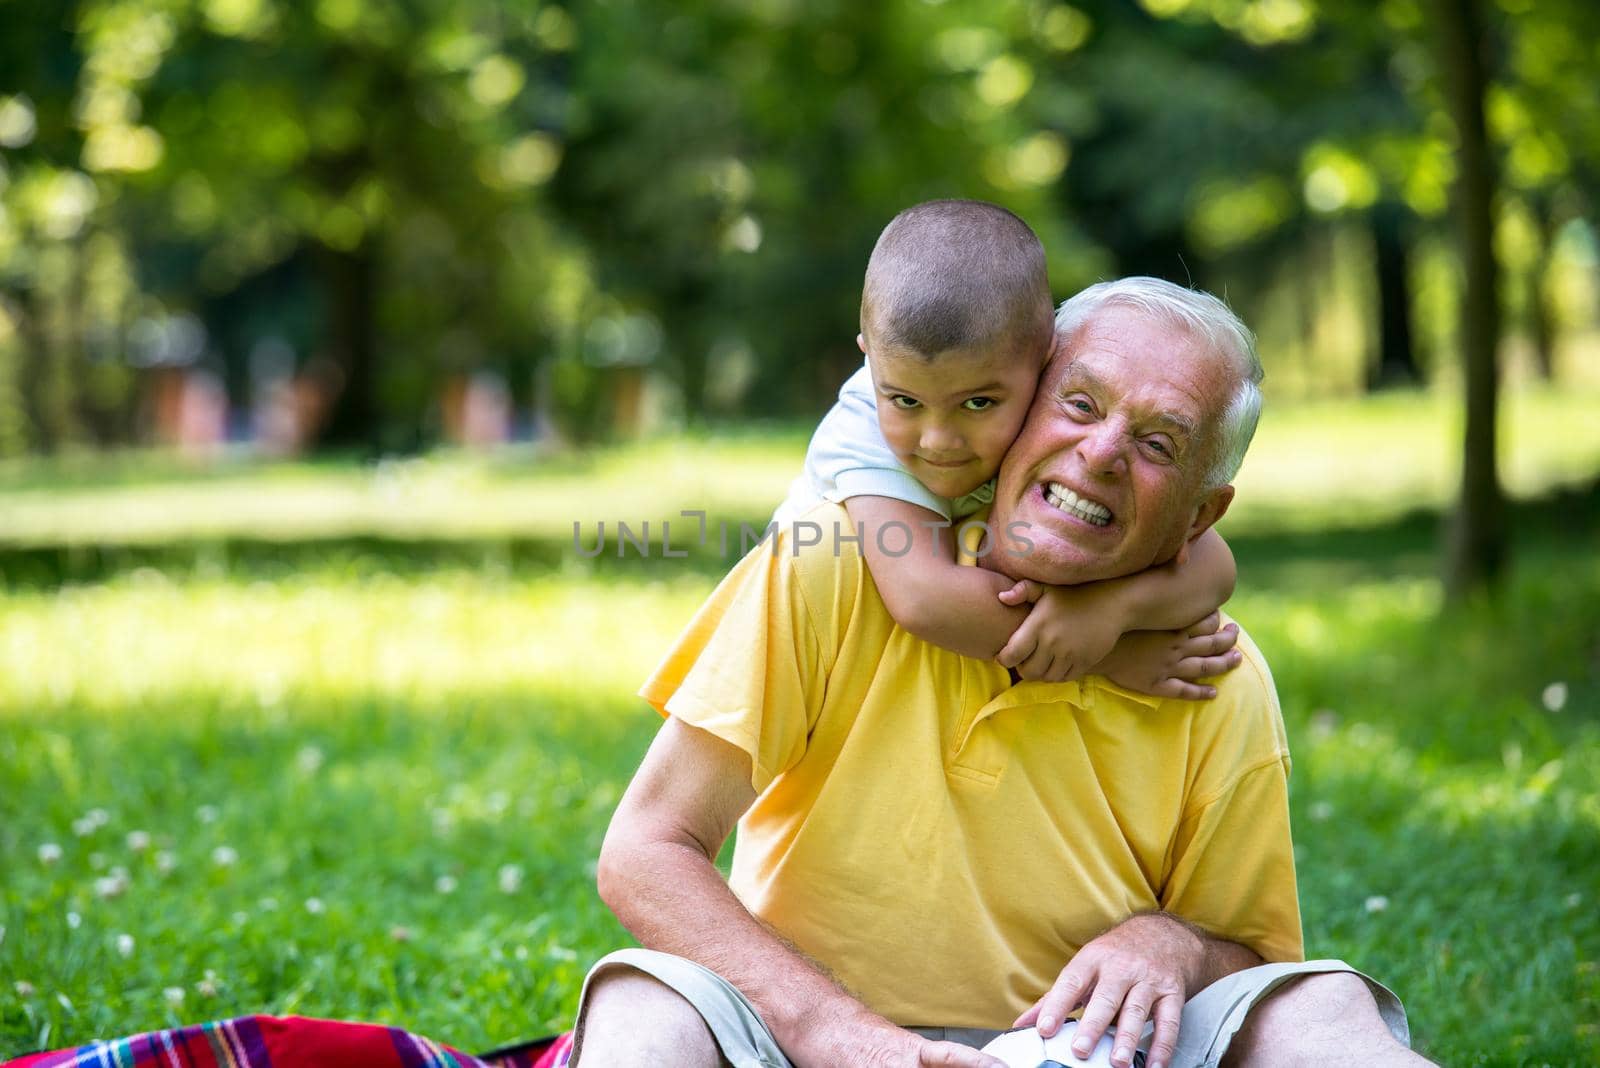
849 458
1233 865
749 668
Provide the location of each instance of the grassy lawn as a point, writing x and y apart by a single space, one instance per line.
336 786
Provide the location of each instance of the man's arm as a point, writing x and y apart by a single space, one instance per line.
657 874
1145 968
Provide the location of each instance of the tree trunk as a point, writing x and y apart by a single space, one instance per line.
1477 549
350 286
1397 360
1541 324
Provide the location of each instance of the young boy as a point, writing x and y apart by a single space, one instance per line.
956 326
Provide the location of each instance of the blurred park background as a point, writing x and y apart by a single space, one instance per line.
330 332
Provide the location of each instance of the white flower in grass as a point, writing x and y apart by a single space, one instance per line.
166 862
400 934
174 995
521 953
49 853
1376 903
207 987
84 827
445 884
125 946
206 813
1321 811
138 841
23 988
98 816
510 878
110 886
268 904
1554 697
240 918
224 856
315 906
309 759
74 921
1574 899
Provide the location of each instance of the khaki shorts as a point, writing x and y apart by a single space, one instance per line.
1210 1019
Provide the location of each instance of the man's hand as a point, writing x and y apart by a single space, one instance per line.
1169 663
1068 631
1142 969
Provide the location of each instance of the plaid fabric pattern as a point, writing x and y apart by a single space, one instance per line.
291 1042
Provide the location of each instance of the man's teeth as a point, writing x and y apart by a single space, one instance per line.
1088 511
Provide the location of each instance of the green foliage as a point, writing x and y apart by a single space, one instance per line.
404 194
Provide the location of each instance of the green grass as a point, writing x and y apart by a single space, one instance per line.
386 740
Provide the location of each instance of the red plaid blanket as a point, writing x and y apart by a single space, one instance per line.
291 1042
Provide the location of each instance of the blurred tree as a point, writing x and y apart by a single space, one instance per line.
1477 550
730 179
389 150
402 194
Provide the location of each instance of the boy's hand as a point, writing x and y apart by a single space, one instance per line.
1167 663
1067 632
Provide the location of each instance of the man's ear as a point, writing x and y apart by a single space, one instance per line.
861 343
1211 509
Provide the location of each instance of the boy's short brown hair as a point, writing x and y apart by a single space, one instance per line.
951 274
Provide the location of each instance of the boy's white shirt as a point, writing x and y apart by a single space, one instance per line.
848 458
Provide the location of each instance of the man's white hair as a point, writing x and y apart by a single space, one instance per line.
1200 315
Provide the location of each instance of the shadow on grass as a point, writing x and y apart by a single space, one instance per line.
1404 547
1556 524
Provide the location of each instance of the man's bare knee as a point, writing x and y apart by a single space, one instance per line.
1329 1019
631 1020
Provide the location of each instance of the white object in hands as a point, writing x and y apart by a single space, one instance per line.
1027 1048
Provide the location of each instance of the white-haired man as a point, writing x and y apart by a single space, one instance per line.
931 850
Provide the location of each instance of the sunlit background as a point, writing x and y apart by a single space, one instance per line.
331 331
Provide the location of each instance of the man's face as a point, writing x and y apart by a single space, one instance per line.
1107 474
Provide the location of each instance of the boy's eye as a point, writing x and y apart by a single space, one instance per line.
979 404
903 402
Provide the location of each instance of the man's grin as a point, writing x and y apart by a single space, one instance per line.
1063 499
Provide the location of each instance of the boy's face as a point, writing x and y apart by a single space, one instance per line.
950 418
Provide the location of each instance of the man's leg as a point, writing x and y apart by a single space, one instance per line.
641 1007
631 1020
1324 1019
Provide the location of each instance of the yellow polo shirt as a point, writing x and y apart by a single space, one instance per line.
944 841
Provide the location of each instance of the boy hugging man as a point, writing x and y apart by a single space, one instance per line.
956 326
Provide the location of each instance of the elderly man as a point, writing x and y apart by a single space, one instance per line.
931 850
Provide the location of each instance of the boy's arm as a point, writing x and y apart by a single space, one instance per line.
1070 629
924 589
1195 584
